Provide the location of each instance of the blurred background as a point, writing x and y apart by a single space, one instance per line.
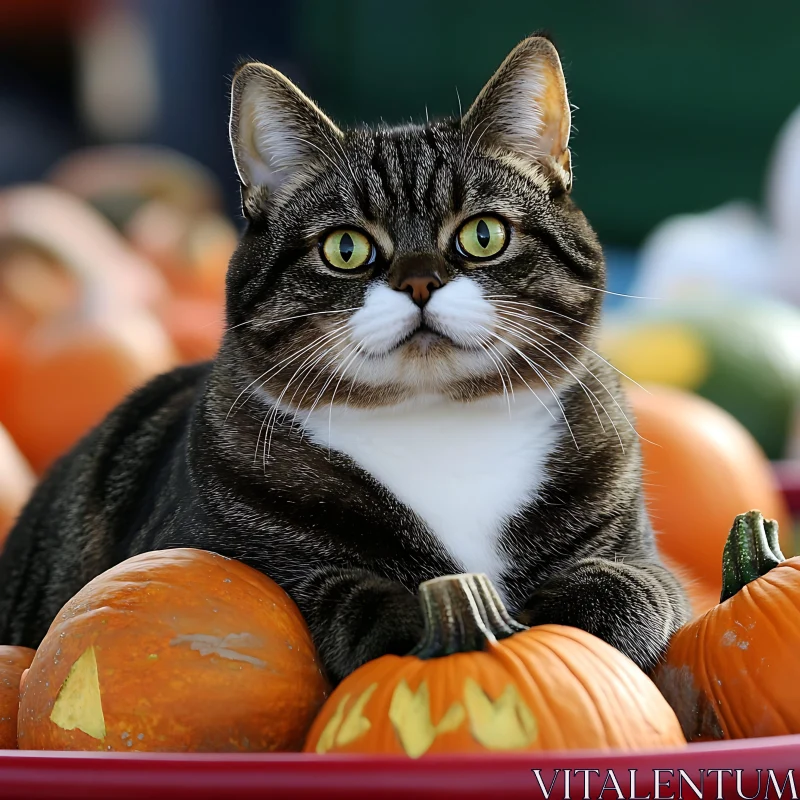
119 200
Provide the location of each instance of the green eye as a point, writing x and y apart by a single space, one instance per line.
481 237
347 249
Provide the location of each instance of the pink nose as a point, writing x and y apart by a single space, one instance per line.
420 287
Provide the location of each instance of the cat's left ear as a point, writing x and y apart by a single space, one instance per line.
276 132
524 108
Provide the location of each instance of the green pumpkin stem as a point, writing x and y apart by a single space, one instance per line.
751 551
462 613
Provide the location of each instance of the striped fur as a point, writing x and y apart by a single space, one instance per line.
232 456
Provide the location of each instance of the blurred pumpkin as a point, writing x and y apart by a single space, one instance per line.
701 468
480 682
167 205
191 250
34 286
78 320
16 484
80 240
12 330
76 369
119 179
195 327
13 662
732 673
742 355
177 650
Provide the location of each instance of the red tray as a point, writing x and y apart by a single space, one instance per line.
86 776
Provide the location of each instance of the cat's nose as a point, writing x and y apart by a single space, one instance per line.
420 287
419 275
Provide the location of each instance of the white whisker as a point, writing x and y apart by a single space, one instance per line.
286 319
486 124
547 325
353 356
271 417
321 344
619 294
289 359
590 394
534 368
322 392
484 347
478 140
337 144
607 390
515 303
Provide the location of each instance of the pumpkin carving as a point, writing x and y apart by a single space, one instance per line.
733 673
13 662
176 650
701 468
481 682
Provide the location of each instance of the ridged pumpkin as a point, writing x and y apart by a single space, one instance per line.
701 468
176 650
480 682
13 663
735 672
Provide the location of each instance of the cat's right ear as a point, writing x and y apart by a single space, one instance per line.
277 133
524 108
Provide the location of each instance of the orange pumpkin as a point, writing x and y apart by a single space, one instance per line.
195 326
76 370
733 673
33 286
177 650
120 178
16 484
701 468
13 662
192 250
77 239
77 324
480 682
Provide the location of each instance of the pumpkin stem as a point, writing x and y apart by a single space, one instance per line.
462 613
752 550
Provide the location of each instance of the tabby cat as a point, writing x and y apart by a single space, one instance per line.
407 388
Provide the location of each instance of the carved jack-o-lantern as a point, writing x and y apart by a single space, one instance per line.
481 682
175 650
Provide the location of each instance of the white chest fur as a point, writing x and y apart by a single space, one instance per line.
463 468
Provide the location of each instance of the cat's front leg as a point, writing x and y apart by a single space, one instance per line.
634 606
355 616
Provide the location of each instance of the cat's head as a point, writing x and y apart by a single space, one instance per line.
383 264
